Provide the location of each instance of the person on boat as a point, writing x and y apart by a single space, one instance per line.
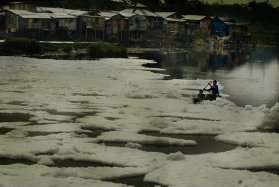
200 97
214 91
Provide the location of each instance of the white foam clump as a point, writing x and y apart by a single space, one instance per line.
99 173
159 123
38 181
251 139
133 145
227 169
172 95
176 156
263 108
46 161
17 133
96 122
138 95
248 107
221 102
271 120
53 128
95 173
248 158
181 174
119 136
90 152
26 148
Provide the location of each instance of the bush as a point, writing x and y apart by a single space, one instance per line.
68 49
102 50
20 46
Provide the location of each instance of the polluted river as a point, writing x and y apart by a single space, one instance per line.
132 122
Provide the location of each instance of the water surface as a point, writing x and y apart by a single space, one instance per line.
249 77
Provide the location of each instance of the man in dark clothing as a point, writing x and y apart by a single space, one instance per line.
214 91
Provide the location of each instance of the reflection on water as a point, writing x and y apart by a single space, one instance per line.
249 77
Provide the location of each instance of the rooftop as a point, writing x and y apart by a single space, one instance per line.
118 1
127 14
193 17
28 14
15 2
138 5
62 15
142 12
107 14
41 15
165 14
175 20
71 12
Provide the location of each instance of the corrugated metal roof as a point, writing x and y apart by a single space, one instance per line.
31 15
19 11
165 14
42 15
127 14
127 11
149 13
142 12
15 2
62 16
36 16
117 1
72 12
107 14
193 17
175 20
137 5
92 16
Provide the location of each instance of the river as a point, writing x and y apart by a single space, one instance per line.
111 121
248 77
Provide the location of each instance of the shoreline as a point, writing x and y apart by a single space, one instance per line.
71 50
82 54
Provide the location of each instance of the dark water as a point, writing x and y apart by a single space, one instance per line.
9 161
14 117
249 77
205 144
136 181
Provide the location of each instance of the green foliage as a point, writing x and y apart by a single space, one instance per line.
67 49
21 46
102 50
52 47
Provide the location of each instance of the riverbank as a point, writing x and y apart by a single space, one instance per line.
81 50
61 50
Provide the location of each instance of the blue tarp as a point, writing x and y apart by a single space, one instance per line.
220 28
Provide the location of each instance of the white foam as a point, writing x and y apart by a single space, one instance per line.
252 139
117 136
181 174
271 121
176 156
120 95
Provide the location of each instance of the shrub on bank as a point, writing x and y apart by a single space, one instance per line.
102 50
21 46
68 49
